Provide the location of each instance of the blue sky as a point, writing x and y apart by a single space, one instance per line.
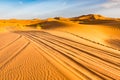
29 9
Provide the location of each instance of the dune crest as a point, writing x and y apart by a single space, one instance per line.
79 48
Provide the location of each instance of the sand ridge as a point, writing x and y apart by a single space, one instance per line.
24 61
78 48
100 64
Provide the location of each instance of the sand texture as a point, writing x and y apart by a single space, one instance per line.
40 55
79 48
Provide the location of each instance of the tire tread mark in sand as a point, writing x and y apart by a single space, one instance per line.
38 49
109 53
68 56
92 41
69 39
72 59
52 47
116 55
48 40
34 40
16 54
39 42
11 42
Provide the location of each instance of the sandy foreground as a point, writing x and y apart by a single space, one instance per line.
47 55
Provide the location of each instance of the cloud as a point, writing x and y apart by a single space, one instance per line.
38 9
114 0
51 8
111 3
110 12
110 8
30 10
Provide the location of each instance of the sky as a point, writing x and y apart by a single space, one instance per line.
30 9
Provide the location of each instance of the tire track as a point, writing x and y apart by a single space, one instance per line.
11 42
77 51
92 41
76 44
50 42
50 51
117 55
76 63
104 58
59 52
12 54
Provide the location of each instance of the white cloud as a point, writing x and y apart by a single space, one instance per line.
110 8
110 12
56 8
35 10
111 3
27 10
114 0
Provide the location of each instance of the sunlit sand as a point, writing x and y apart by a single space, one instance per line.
79 48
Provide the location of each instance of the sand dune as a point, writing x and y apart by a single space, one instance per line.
39 55
79 48
20 60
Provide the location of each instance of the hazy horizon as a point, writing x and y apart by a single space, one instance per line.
30 9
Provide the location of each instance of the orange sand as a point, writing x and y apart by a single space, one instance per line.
78 48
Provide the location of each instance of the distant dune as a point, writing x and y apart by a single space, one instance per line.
78 25
89 17
78 48
14 24
61 21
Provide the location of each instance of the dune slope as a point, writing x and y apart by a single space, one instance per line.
39 55
64 49
20 59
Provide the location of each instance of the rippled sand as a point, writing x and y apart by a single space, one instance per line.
62 49
56 55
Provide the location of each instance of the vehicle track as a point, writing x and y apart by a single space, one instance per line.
90 62
93 41
11 42
7 54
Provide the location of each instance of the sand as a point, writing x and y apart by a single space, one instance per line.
41 55
60 50
20 60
